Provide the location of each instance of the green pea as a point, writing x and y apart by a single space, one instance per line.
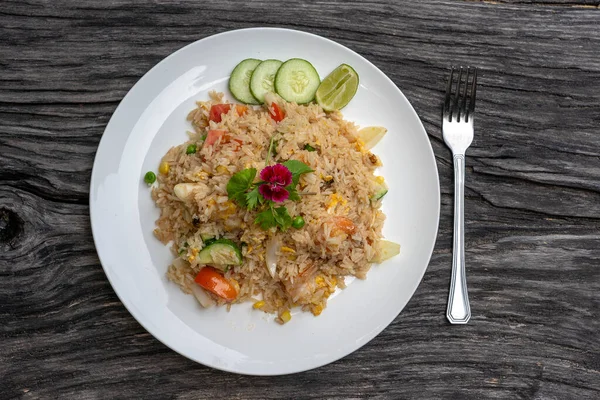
191 149
298 222
308 147
150 177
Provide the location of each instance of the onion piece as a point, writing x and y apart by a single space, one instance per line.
271 98
271 257
203 298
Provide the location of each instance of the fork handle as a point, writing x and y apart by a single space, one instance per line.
459 310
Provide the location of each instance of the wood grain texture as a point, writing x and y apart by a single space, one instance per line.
532 199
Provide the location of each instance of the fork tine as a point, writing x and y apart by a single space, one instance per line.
456 96
462 110
448 93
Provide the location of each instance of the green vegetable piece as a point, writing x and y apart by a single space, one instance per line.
297 80
308 147
265 219
263 77
150 177
298 222
239 82
297 168
221 252
272 217
239 184
253 197
191 149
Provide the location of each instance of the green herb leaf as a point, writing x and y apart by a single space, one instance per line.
294 196
297 168
239 184
308 147
253 198
266 219
282 217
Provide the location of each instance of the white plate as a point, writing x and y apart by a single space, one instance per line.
151 119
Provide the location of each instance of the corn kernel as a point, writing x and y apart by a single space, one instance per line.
164 168
222 170
191 258
319 280
380 180
286 316
317 310
287 249
258 305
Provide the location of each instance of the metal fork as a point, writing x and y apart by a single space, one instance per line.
457 128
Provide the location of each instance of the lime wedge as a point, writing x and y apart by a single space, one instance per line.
338 88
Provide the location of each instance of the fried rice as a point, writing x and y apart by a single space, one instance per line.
343 221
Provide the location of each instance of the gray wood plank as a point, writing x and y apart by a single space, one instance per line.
532 199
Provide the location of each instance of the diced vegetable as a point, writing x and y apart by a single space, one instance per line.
286 316
203 298
263 78
308 147
191 149
213 281
344 224
371 135
258 305
271 255
338 88
276 113
213 136
150 177
386 250
217 111
164 167
297 81
381 188
298 222
239 82
221 252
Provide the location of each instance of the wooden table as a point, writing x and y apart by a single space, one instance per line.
532 199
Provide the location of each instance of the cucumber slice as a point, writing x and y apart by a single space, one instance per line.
297 80
239 81
263 79
381 189
221 252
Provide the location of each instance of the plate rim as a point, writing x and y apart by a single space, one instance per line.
94 178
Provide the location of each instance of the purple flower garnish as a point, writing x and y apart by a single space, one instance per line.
276 178
273 192
277 174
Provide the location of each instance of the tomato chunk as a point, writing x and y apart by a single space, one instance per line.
214 135
276 113
217 111
213 281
